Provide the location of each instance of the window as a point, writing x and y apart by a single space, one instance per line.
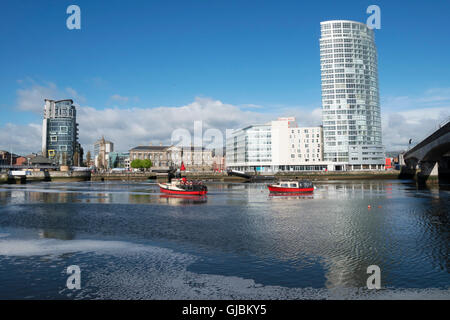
53 138
62 148
63 129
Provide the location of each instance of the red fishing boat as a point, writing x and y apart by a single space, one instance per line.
183 186
292 187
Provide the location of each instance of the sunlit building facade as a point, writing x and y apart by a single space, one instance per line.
102 149
60 133
350 97
279 145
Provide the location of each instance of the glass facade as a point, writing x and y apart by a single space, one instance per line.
118 159
258 144
60 133
279 145
350 96
250 145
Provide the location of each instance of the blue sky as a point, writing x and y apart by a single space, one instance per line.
259 57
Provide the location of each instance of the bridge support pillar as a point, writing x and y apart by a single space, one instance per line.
17 180
429 172
408 171
444 169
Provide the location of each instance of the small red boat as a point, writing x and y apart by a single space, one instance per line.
292 186
183 186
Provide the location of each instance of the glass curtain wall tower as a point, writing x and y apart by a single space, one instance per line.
60 133
350 96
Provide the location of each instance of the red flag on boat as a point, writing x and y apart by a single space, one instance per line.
183 168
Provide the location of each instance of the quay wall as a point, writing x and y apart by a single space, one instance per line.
38 176
344 175
207 176
128 176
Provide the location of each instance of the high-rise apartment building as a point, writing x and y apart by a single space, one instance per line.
60 133
350 97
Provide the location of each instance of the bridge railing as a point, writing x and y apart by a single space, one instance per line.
443 128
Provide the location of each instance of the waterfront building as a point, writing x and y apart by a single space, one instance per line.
20 161
7 159
60 133
279 145
219 160
158 155
37 160
194 158
350 97
118 160
102 149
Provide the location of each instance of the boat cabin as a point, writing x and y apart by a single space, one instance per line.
295 184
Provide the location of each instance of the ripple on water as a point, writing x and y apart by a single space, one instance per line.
331 235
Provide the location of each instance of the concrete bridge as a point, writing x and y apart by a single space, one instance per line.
429 160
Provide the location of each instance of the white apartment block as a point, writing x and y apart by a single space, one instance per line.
279 145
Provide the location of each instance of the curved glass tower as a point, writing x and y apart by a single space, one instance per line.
350 97
60 133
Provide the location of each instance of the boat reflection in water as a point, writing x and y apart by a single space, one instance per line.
291 195
182 199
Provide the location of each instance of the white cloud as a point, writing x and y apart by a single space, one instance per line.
130 127
251 106
140 126
119 99
413 117
306 117
22 139
31 98
74 95
403 117
431 98
399 127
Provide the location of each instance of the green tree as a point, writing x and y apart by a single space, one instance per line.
146 164
136 164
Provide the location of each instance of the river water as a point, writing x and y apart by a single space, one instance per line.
239 242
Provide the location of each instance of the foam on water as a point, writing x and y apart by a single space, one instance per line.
138 271
39 247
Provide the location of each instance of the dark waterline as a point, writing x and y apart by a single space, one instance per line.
132 242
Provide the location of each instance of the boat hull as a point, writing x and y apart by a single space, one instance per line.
167 190
289 190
